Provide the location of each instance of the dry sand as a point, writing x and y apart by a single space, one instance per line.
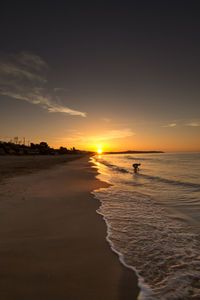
12 165
52 241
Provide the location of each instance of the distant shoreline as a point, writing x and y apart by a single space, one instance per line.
132 152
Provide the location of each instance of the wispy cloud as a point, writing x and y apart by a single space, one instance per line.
114 134
108 135
106 120
193 124
22 78
60 89
59 108
31 60
170 125
17 72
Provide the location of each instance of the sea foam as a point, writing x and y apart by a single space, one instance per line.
162 250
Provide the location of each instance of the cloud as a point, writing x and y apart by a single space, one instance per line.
193 124
60 89
107 120
114 134
31 60
22 78
170 125
109 135
45 102
16 72
65 110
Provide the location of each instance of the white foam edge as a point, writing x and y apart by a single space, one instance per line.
145 290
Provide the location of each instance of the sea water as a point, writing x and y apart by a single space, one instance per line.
153 219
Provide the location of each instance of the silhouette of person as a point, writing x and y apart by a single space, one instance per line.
136 167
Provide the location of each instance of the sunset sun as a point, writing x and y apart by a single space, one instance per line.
99 151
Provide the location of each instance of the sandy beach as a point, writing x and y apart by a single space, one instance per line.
52 241
12 165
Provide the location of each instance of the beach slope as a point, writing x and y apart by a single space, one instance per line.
52 241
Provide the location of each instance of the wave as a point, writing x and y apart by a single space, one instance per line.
114 167
171 181
142 158
162 246
152 178
164 253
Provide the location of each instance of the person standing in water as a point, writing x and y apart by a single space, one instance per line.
136 167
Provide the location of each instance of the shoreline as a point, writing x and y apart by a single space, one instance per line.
52 241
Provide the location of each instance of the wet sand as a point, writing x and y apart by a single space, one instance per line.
52 241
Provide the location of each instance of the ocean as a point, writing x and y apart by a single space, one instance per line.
153 219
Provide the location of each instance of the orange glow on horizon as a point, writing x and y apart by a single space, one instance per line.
173 141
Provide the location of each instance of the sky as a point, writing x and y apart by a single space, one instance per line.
116 75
